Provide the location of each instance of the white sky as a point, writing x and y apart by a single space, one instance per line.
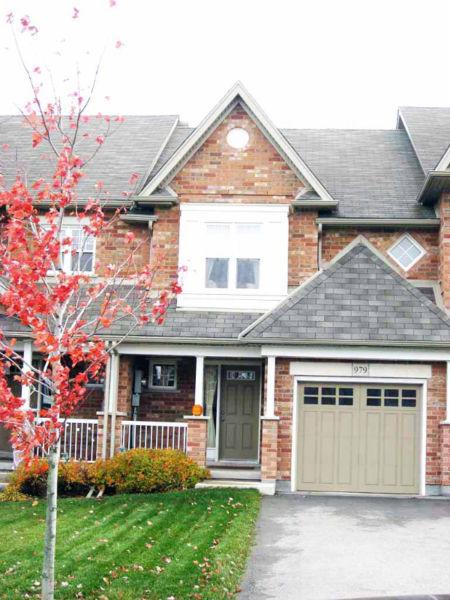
309 63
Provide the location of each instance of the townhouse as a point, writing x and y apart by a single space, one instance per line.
310 347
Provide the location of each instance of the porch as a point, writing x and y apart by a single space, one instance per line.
213 403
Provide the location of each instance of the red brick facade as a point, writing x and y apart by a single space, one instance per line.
444 248
196 439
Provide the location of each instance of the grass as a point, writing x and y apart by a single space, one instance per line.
181 545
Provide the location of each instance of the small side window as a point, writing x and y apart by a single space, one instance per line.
163 375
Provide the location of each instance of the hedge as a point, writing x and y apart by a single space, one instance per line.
135 471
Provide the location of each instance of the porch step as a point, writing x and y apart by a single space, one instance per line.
265 488
235 473
6 465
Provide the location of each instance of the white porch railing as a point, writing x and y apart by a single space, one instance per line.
153 434
78 439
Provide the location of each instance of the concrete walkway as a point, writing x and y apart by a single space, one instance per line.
328 548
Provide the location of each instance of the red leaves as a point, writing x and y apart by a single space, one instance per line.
100 139
36 139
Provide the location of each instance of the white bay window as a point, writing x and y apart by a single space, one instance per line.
235 255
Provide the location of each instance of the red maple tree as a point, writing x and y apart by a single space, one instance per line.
66 312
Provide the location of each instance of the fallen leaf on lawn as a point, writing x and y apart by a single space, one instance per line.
34 503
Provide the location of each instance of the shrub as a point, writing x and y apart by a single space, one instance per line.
31 479
12 494
145 471
135 471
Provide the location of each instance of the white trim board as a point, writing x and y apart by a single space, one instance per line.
355 381
357 353
382 370
189 350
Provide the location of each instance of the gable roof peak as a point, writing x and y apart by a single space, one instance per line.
237 93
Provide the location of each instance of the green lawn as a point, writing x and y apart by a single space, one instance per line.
179 545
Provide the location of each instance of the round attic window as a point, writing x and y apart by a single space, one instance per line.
237 138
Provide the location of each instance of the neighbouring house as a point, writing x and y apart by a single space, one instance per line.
312 328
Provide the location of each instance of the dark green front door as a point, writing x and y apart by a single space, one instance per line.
239 413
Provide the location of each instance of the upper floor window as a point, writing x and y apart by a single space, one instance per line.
235 255
406 252
79 255
235 250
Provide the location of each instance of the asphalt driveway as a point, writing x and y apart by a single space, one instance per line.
327 548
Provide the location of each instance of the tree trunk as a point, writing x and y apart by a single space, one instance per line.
48 567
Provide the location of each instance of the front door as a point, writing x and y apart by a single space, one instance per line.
239 413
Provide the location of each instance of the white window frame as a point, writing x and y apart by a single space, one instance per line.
415 243
162 388
273 256
71 223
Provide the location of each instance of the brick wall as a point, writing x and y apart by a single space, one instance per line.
168 405
438 454
92 404
334 240
444 248
111 246
217 173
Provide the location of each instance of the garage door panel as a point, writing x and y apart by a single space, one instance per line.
359 439
388 443
327 432
345 448
408 466
308 440
369 471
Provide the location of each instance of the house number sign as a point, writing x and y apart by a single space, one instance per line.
360 369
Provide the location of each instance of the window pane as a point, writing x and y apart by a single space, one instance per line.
218 238
82 262
248 239
247 273
406 251
163 375
217 272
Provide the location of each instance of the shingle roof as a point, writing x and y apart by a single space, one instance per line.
359 298
186 324
429 129
132 147
372 173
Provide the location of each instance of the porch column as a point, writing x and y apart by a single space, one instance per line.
197 436
270 400
199 373
27 359
102 433
269 429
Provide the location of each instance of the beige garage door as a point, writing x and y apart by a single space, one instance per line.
361 438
